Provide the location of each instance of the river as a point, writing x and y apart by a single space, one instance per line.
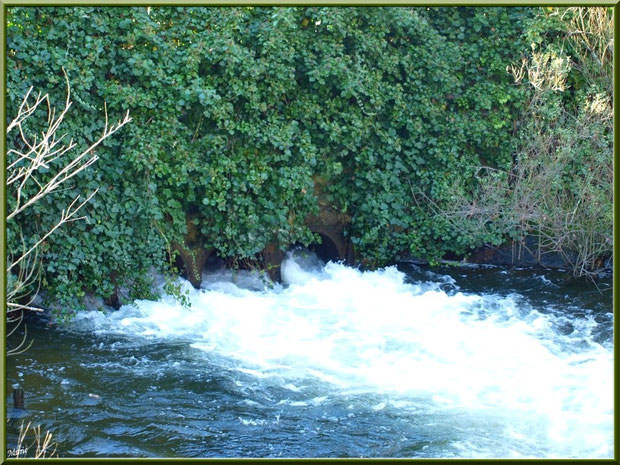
467 362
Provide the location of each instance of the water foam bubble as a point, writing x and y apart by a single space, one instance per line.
372 332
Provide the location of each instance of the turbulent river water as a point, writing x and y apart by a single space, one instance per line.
476 362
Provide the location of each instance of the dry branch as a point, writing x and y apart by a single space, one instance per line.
24 173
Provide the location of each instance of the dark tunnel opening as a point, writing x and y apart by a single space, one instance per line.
326 250
214 262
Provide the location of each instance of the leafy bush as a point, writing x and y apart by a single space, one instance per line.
560 188
238 112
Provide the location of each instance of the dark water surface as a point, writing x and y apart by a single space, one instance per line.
459 362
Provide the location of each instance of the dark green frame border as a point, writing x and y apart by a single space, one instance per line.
312 3
616 260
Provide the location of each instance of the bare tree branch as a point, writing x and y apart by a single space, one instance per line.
28 175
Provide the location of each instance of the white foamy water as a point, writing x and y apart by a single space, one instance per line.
414 347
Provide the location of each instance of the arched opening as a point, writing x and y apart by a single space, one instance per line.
326 250
214 262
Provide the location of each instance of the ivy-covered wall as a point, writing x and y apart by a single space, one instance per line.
239 112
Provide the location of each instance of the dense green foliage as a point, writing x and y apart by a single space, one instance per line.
560 190
239 112
200 138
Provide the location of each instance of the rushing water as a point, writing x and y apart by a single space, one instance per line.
336 362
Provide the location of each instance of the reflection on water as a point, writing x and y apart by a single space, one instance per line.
335 362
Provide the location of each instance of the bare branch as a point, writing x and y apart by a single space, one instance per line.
66 216
28 175
24 307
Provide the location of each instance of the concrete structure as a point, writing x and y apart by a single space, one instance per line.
329 224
